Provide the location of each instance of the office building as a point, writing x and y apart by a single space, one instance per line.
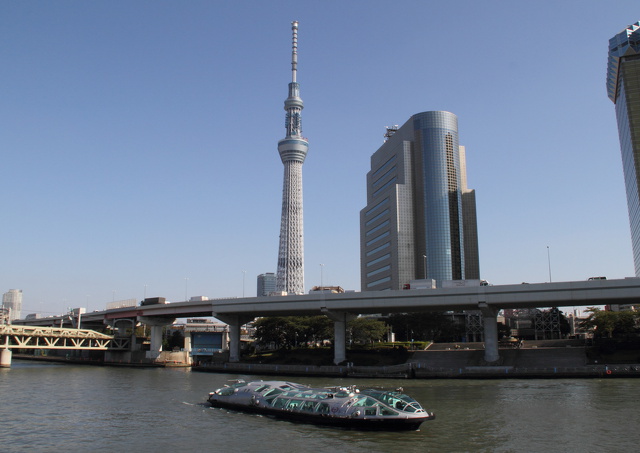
12 302
293 151
623 88
420 219
266 284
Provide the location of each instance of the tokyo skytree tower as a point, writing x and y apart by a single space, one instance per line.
293 150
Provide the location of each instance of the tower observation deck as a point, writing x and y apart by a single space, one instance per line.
293 150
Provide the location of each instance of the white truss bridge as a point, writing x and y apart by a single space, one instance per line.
33 337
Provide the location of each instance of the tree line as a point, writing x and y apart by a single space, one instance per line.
300 331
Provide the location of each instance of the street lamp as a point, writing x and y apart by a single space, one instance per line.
424 259
186 287
321 277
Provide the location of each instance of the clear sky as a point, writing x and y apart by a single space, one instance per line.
139 138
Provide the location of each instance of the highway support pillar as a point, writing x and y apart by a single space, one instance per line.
235 322
5 358
490 321
340 320
156 325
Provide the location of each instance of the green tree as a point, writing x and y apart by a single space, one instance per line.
425 326
315 329
610 324
274 329
366 330
290 331
173 339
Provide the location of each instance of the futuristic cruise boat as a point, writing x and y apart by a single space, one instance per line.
338 406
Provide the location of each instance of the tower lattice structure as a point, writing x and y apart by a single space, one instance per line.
293 150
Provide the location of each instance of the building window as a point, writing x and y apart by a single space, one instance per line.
377 282
385 165
377 260
383 202
378 271
383 213
373 230
385 185
381 178
377 238
377 249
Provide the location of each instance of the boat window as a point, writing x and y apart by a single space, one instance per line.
366 401
280 402
323 408
273 392
225 391
396 400
386 411
412 408
308 406
294 404
370 411
262 388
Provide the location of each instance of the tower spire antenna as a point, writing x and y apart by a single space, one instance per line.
294 51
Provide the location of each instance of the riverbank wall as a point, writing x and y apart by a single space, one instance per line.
543 360
419 371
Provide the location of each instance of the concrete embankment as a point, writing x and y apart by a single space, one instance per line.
419 371
453 363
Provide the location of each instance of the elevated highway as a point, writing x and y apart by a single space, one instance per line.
341 307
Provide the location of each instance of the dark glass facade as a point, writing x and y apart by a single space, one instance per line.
439 196
623 87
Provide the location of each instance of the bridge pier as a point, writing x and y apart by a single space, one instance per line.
490 321
340 320
5 358
156 325
235 322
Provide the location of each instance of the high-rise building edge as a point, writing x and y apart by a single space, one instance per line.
293 151
12 302
623 88
266 284
420 218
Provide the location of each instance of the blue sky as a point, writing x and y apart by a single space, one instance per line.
139 139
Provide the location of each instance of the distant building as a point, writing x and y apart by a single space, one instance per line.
623 88
12 301
420 218
266 284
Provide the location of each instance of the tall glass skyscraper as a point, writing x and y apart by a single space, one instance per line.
623 88
420 219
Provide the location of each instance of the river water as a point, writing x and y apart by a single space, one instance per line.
47 407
